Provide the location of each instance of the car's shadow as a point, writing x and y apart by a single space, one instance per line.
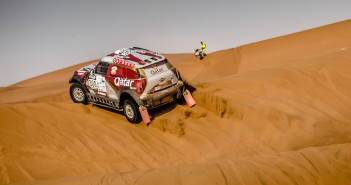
163 109
156 112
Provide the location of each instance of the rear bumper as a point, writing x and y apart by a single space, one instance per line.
162 97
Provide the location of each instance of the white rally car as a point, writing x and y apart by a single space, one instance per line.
130 79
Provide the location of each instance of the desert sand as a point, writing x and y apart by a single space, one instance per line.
272 112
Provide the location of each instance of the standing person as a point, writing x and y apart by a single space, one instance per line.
203 47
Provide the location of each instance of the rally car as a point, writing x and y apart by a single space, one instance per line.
131 80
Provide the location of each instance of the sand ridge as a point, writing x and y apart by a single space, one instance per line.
272 112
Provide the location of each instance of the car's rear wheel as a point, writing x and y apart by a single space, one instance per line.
131 112
78 94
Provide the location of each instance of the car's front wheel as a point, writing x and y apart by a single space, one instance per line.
78 94
131 112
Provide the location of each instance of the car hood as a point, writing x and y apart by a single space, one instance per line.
86 69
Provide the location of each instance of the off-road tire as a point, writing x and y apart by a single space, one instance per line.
78 94
178 97
131 111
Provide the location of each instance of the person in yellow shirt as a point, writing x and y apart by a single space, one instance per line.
203 47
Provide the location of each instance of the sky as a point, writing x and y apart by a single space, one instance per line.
40 36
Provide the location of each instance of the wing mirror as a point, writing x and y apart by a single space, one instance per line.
92 73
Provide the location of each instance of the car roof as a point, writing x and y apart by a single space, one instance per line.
134 56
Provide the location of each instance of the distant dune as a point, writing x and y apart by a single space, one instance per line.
272 112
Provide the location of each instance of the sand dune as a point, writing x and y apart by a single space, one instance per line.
273 112
44 85
325 164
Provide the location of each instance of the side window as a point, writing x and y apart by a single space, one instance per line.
101 68
117 71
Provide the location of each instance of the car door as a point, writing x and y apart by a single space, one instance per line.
96 81
115 74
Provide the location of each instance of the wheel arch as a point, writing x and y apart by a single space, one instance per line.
126 93
79 80
76 79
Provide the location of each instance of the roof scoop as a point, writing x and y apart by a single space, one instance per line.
120 51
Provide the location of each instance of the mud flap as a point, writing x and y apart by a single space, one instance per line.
144 114
189 99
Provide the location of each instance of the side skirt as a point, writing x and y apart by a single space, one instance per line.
106 102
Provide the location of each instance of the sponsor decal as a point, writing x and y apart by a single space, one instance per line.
156 70
114 70
126 52
92 84
98 84
122 62
100 91
123 82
